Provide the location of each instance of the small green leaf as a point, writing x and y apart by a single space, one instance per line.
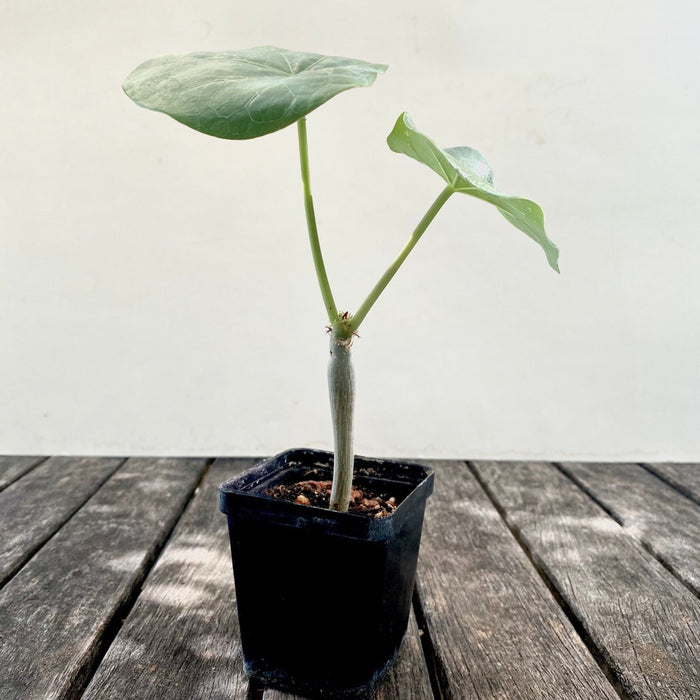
244 94
466 170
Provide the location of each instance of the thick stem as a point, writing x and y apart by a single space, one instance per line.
341 388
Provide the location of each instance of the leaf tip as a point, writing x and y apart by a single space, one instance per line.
553 258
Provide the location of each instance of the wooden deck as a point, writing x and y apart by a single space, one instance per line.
535 580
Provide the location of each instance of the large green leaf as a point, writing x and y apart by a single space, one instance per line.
466 170
244 94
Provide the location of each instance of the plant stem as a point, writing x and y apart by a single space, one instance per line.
341 377
341 389
423 224
319 265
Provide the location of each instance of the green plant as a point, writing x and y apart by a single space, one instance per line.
250 93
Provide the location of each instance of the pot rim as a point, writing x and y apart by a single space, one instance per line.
242 491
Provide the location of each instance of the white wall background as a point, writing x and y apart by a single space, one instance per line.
156 291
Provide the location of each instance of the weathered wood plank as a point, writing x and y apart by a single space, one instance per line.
644 622
664 520
11 468
33 508
407 679
683 476
495 628
56 610
180 640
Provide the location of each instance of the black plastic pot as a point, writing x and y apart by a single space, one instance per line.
299 570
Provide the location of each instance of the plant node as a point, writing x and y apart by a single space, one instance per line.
342 331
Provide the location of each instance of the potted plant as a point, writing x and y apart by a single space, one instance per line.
323 579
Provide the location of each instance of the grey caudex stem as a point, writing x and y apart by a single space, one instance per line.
343 328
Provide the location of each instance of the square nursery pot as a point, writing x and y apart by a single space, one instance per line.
323 597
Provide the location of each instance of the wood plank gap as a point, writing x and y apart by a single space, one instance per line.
631 531
112 628
601 504
647 548
181 639
54 612
16 566
17 473
493 621
436 671
670 482
577 624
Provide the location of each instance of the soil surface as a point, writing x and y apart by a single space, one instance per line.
317 493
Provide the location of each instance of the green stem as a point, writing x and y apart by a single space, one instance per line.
423 224
320 267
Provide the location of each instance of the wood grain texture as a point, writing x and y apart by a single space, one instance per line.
664 520
181 640
683 476
11 468
33 508
495 627
55 611
494 630
644 623
407 679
